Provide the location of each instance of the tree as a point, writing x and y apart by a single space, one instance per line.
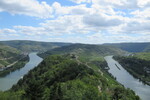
34 90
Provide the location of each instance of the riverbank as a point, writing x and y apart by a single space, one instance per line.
126 79
137 67
66 77
14 66
13 77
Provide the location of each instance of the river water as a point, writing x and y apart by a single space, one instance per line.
128 80
8 81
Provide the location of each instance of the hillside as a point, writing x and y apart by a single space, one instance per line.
63 78
8 55
143 55
132 47
86 52
138 65
33 46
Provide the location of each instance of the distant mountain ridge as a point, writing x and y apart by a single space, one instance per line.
36 46
132 47
33 46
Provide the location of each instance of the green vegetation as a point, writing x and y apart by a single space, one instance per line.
21 63
62 77
33 46
132 47
11 59
77 72
86 51
138 65
143 55
87 54
8 55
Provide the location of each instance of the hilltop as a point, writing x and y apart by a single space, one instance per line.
85 50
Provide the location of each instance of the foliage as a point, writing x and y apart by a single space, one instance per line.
85 51
137 65
62 78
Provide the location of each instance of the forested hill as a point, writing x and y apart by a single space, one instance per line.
138 65
64 78
8 55
86 50
33 46
132 47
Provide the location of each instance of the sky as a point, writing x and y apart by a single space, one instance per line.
75 21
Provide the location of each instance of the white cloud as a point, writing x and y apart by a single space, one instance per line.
7 31
143 3
26 7
100 21
81 1
60 10
144 13
123 4
136 27
65 24
29 30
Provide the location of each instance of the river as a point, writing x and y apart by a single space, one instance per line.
8 81
127 80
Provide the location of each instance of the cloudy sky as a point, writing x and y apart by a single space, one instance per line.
77 21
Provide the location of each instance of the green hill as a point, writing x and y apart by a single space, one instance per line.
33 46
63 78
85 52
132 47
8 55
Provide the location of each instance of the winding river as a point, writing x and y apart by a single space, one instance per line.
8 81
127 80
116 70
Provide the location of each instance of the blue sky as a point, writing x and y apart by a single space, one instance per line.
77 21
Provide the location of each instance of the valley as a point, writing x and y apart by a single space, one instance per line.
74 49
61 77
73 72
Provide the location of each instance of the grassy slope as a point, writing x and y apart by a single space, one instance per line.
32 46
63 78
